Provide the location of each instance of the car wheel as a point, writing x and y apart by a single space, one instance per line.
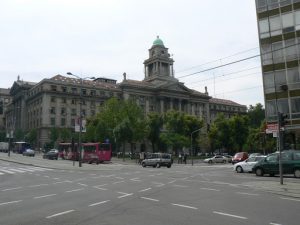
157 165
210 161
259 172
169 166
224 161
297 173
272 174
143 164
239 169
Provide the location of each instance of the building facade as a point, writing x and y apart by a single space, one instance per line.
56 102
5 100
279 37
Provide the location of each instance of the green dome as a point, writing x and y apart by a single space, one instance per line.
158 41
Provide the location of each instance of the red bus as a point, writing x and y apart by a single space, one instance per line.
96 152
65 151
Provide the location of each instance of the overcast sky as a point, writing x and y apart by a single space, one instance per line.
104 38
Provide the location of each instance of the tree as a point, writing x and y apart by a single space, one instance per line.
54 135
239 131
256 115
31 137
154 124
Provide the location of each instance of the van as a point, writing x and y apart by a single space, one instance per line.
157 160
239 157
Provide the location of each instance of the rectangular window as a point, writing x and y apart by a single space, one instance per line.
271 108
266 54
53 99
73 112
64 89
63 111
295 105
277 52
73 101
83 91
53 88
74 90
64 100
52 110
290 49
293 75
263 28
287 20
280 77
93 92
52 121
73 122
63 122
275 25
283 105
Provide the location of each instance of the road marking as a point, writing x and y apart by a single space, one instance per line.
6 203
244 193
60 182
147 189
85 185
99 188
38 185
98 203
79 189
171 182
135 179
80 179
59 214
291 199
209 189
10 189
6 171
56 178
150 199
46 176
275 224
184 206
121 178
177 185
117 182
124 194
231 215
44 196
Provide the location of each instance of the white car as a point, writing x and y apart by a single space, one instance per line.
247 165
216 159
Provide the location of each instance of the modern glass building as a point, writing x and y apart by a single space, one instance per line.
279 37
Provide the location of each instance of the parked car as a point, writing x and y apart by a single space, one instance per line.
254 154
29 152
216 159
157 160
270 165
52 154
239 157
247 165
228 157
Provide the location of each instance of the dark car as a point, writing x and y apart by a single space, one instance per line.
239 157
270 165
52 154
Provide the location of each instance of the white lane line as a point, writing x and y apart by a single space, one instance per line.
100 185
98 203
59 214
117 182
60 182
135 179
38 185
244 193
275 224
124 194
150 199
171 182
44 196
85 185
99 188
79 189
10 189
147 189
291 199
56 178
121 178
209 189
6 171
184 206
177 185
16 170
46 176
6 203
1 173
231 215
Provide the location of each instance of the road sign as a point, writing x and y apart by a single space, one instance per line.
271 128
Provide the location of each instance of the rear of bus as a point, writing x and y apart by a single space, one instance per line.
104 152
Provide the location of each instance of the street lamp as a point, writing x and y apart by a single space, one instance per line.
192 151
80 113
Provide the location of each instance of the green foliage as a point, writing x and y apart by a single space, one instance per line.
256 115
19 135
3 136
31 137
154 124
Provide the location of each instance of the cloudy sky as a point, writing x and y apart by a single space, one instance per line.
104 38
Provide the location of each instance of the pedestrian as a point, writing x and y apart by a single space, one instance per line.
179 158
184 158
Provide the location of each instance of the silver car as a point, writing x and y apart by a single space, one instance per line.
157 160
216 159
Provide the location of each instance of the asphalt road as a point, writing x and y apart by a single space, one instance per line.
130 194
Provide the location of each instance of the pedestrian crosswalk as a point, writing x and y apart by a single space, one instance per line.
21 169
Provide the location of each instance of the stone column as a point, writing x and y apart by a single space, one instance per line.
193 108
171 103
161 106
147 105
179 105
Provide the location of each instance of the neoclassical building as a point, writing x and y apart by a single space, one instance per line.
55 102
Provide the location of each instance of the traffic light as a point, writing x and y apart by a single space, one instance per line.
282 119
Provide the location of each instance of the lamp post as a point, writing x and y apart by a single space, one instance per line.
192 151
80 114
